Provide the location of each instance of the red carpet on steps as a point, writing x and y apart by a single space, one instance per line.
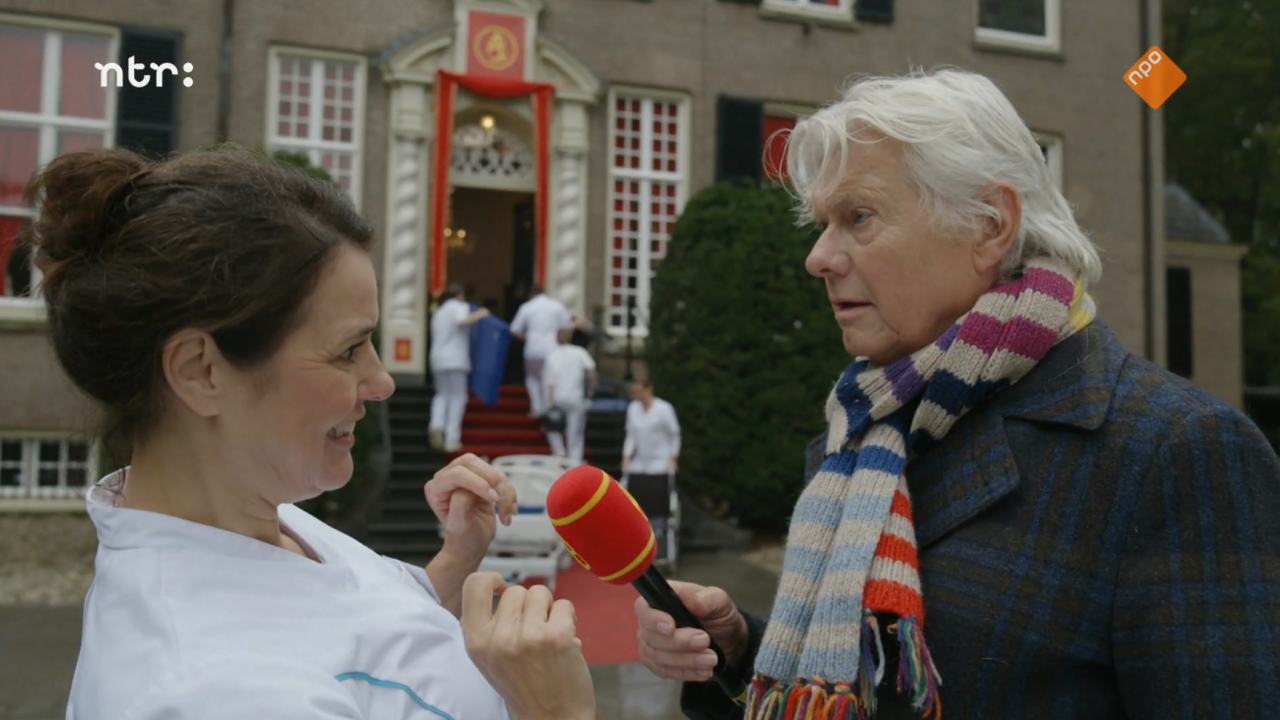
503 428
605 614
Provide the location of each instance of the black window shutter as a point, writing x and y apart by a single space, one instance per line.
874 10
147 117
1178 320
739 138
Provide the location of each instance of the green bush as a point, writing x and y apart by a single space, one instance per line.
743 343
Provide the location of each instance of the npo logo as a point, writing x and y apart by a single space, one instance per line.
107 70
1154 77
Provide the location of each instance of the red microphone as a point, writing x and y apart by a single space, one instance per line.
602 525
608 534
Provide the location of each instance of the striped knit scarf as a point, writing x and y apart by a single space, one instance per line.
851 552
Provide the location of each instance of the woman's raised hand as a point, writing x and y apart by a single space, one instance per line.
463 496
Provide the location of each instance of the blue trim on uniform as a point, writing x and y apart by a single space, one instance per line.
398 686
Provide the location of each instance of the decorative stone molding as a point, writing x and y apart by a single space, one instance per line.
503 162
409 68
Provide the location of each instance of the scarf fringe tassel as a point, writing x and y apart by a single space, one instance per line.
817 699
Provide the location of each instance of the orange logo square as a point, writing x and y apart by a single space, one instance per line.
404 349
1155 77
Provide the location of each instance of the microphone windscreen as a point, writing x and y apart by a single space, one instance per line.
601 524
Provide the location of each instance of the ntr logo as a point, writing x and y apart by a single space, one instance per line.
159 69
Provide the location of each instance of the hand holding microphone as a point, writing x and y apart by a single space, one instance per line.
607 533
684 654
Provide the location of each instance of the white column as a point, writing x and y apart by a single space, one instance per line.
404 277
567 249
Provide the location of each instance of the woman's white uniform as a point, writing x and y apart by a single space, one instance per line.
189 621
653 437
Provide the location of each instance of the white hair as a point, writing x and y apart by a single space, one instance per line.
960 133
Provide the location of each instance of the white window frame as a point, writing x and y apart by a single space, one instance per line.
30 310
1048 44
841 14
313 146
1053 152
31 465
644 268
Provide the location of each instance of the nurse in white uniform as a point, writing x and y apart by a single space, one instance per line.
221 308
450 361
537 322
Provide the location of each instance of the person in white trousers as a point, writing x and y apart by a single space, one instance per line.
450 364
537 322
569 377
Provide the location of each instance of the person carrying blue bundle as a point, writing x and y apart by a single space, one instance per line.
450 360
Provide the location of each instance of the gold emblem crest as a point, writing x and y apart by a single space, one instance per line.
495 47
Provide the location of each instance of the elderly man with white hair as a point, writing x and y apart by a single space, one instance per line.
1090 535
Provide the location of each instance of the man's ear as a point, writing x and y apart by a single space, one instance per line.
998 234
194 371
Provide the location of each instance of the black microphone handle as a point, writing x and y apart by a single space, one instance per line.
655 590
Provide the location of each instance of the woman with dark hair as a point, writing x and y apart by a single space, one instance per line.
221 307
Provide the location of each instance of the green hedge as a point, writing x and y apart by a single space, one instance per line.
743 343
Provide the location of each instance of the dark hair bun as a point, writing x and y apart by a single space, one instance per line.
225 241
82 197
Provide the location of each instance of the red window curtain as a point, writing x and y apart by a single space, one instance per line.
23 52
18 151
72 141
9 227
775 145
82 94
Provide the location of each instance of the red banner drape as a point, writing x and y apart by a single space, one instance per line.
446 86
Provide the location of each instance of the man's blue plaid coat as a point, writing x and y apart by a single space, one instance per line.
1101 540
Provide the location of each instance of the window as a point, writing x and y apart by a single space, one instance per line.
1051 148
750 137
51 102
648 183
47 467
316 109
1019 25
840 11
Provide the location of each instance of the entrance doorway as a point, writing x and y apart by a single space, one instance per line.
491 253
491 247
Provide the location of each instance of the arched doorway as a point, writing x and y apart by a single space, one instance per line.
410 70
490 230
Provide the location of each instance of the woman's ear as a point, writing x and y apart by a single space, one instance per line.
998 234
192 367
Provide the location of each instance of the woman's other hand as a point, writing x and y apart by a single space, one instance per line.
528 649
685 653
463 497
